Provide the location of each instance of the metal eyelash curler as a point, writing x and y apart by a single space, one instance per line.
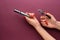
43 13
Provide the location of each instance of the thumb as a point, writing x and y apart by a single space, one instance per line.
32 15
52 17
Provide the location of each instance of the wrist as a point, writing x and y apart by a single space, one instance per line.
43 33
36 26
57 25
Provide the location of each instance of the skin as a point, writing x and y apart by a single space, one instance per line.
52 23
35 23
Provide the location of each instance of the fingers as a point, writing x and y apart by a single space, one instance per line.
44 23
49 14
46 17
43 18
32 16
52 17
28 19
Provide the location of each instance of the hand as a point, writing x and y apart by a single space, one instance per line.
51 22
58 25
32 21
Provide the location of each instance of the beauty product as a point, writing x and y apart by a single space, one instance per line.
43 13
22 13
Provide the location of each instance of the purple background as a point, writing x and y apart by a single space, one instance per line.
14 27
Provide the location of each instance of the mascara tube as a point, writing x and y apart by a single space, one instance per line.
22 13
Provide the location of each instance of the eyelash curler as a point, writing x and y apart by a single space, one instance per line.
43 13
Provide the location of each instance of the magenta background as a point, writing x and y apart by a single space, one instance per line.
14 27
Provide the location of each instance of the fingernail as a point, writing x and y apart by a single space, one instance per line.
46 22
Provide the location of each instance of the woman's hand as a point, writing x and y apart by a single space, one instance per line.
52 23
32 21
35 23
